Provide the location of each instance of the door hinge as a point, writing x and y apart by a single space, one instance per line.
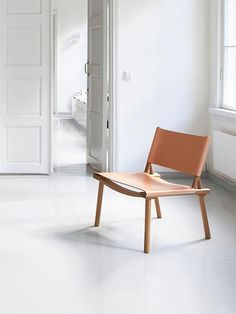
107 124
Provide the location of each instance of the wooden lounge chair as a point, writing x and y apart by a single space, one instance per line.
178 151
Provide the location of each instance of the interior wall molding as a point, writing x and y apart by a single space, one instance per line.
178 175
222 181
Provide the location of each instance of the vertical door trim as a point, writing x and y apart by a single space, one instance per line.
54 64
51 139
113 84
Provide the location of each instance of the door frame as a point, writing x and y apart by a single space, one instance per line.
54 24
113 85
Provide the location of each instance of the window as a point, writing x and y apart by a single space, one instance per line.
229 55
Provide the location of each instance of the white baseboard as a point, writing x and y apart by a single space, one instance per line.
174 175
222 181
178 175
63 115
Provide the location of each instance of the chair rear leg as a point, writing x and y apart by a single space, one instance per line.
158 208
147 225
99 203
204 217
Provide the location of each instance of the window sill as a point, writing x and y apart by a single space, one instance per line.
223 112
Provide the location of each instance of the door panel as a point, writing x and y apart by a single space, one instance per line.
97 84
24 86
24 6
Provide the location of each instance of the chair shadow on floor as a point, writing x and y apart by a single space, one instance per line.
109 236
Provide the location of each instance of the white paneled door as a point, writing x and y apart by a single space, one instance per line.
24 86
97 84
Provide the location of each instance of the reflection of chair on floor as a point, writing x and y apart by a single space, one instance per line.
178 151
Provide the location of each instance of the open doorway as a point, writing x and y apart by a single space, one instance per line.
69 84
82 84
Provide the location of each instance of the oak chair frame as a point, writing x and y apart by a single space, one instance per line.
195 189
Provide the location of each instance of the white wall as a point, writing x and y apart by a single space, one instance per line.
216 122
72 56
164 44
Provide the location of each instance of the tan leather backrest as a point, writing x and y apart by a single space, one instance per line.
179 151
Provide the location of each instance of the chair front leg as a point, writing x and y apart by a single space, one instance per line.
204 217
158 208
99 203
147 225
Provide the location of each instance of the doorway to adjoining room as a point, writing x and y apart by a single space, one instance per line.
81 85
69 32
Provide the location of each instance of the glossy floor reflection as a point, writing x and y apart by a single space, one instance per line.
53 261
69 146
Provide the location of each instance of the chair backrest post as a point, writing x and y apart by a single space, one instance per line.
148 168
200 183
195 184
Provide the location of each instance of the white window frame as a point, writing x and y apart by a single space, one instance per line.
222 48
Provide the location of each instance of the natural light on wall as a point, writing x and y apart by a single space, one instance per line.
229 55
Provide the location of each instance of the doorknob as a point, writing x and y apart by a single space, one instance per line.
86 68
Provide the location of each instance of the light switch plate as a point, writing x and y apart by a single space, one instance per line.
127 76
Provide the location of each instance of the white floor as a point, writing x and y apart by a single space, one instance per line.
69 145
53 261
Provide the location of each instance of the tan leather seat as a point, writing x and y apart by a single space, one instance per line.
150 184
